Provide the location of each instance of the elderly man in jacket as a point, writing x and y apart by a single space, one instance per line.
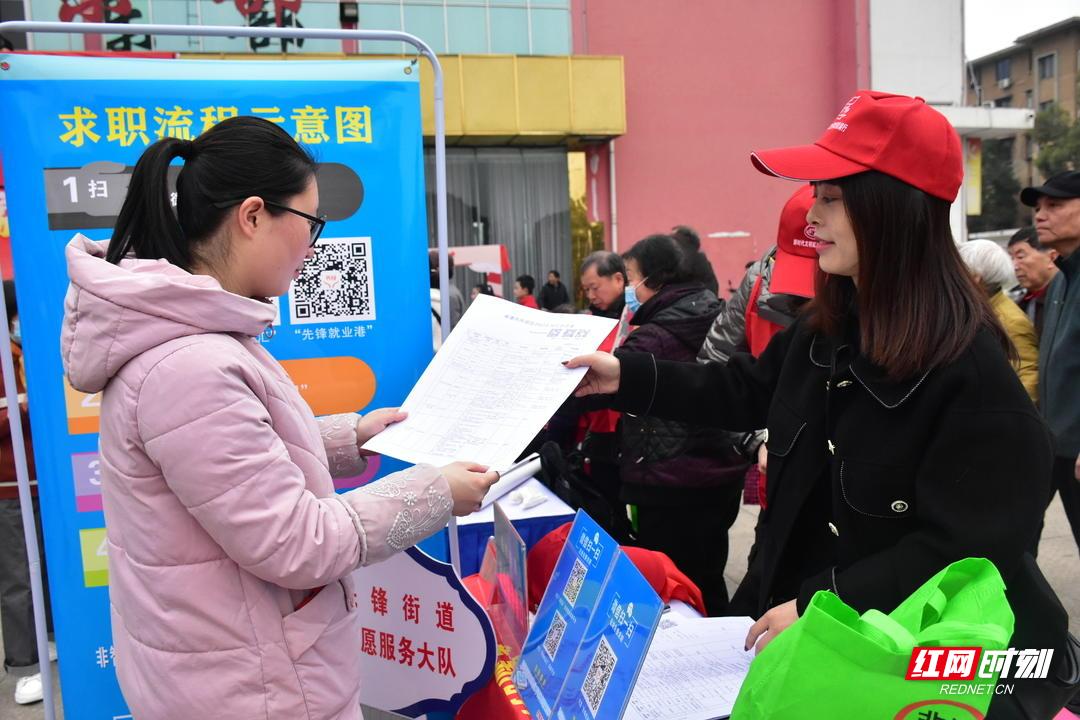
1057 220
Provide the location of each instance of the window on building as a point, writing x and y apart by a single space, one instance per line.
520 27
1003 69
1003 101
517 197
1046 105
536 27
1029 99
1047 66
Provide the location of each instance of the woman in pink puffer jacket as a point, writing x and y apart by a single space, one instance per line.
229 552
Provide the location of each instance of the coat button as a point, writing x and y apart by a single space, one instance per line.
833 530
899 506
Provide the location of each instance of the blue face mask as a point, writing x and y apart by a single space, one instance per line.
632 302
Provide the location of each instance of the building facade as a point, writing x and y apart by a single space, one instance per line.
1039 70
518 104
646 110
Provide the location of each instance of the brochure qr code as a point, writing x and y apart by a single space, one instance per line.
554 635
574 582
337 285
598 676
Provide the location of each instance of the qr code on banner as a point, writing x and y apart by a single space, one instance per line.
554 635
596 680
337 285
573 585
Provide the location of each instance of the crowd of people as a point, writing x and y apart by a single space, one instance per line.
909 413
872 385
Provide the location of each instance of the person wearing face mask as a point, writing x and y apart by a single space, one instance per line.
900 438
230 554
683 481
630 297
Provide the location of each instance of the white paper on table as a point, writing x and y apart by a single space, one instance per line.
516 475
693 670
493 384
551 507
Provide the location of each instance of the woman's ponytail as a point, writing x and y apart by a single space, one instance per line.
238 158
147 225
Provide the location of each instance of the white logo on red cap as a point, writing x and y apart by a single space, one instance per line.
838 123
809 239
847 107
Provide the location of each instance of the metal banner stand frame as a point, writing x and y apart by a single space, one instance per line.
6 361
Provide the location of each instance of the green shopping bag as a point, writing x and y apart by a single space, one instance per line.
834 663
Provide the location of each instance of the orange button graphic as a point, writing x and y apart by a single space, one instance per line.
334 384
83 410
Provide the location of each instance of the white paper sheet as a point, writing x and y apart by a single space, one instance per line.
521 471
491 387
693 670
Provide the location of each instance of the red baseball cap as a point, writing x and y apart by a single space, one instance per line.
796 247
896 135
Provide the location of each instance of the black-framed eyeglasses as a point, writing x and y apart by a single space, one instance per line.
317 223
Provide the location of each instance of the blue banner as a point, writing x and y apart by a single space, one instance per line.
354 331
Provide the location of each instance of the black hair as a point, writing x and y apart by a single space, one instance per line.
687 237
918 306
660 261
606 264
10 301
555 273
240 157
1027 235
565 309
527 283
484 289
697 263
433 267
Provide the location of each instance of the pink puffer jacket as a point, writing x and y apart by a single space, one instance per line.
220 510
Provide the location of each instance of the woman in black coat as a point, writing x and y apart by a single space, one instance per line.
685 480
900 439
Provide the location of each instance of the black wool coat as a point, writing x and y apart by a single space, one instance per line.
910 475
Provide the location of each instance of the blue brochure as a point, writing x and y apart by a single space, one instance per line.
612 652
568 604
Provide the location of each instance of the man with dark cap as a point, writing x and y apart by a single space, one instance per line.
1057 221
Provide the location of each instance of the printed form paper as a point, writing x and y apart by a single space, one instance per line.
693 670
492 386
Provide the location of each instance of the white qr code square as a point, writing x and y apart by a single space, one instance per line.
554 635
573 584
598 676
337 285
